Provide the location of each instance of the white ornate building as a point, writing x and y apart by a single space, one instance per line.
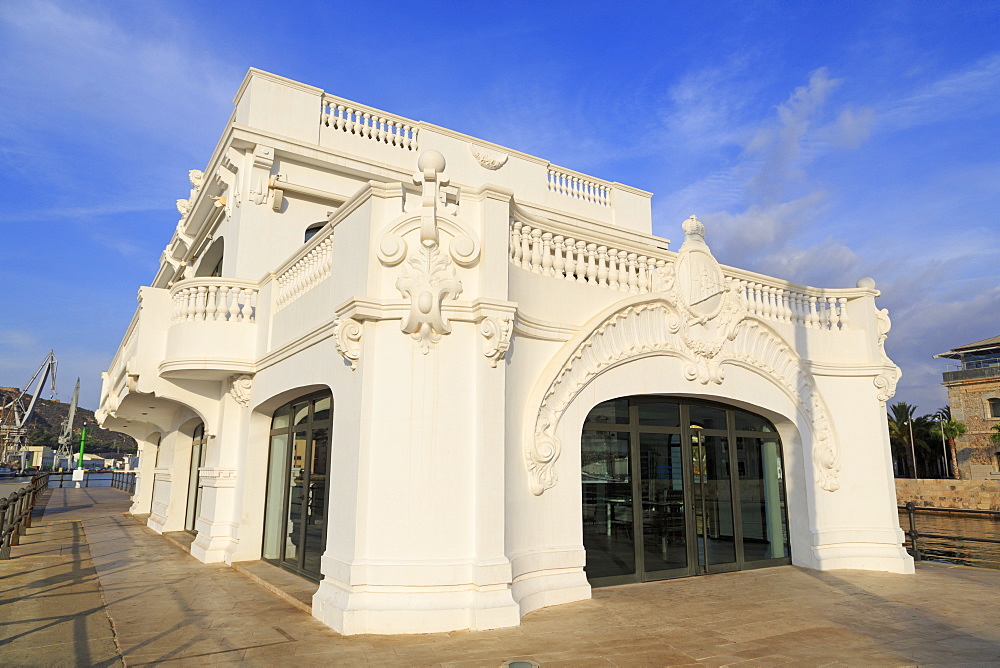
453 383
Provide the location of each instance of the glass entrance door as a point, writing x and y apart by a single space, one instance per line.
195 491
664 505
665 493
295 512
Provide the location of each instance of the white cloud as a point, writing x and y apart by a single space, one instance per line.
959 95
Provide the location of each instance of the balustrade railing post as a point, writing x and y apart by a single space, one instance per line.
911 512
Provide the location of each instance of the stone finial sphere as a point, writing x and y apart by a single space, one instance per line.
432 160
866 282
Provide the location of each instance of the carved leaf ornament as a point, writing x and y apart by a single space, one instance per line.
428 276
428 281
700 320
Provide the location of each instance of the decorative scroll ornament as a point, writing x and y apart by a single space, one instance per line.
497 333
487 159
886 381
240 389
347 335
260 173
429 279
702 322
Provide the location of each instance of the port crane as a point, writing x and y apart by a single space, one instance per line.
14 416
64 453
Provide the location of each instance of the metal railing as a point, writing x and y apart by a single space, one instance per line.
913 535
90 479
124 480
15 513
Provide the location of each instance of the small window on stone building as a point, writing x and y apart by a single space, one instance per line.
994 408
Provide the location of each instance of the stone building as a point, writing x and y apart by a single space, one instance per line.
973 383
452 383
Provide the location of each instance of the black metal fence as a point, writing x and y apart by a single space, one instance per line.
123 480
15 513
990 547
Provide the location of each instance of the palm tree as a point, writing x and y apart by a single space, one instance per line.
952 430
899 416
995 437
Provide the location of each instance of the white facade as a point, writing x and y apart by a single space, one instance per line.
466 306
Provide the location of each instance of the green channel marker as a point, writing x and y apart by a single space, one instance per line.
83 438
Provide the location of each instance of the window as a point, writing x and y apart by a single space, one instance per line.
295 510
313 230
994 408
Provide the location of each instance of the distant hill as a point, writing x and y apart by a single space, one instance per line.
46 425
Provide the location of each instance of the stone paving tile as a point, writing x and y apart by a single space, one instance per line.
166 607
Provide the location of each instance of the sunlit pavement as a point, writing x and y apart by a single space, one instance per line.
91 586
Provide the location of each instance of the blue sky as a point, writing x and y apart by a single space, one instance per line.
819 142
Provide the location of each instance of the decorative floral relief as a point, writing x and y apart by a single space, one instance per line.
654 328
240 389
347 335
497 333
428 276
487 159
428 280
700 319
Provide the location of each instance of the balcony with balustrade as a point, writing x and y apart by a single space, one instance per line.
212 329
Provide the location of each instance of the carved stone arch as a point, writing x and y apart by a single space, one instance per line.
644 326
464 248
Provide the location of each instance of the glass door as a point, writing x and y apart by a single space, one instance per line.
666 494
295 512
195 490
664 506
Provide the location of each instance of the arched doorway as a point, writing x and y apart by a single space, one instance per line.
295 511
675 487
195 490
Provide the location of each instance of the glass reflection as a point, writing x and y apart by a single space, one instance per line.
716 533
607 504
610 412
762 500
273 509
315 523
298 485
296 498
660 414
662 485
707 417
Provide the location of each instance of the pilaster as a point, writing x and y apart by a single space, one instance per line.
217 522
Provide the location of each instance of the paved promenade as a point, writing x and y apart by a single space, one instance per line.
90 586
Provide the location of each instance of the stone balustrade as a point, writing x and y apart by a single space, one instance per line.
306 270
618 267
636 269
126 351
577 185
214 299
369 123
809 307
